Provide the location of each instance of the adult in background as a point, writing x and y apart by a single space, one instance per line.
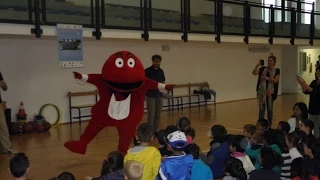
267 86
4 133
317 65
154 97
313 90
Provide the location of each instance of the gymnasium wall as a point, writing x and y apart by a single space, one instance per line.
31 70
198 7
306 75
289 69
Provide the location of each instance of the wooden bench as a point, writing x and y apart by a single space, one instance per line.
190 94
79 107
171 103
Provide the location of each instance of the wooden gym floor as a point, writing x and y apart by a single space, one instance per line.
49 158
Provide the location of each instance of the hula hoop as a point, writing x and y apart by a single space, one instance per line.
58 112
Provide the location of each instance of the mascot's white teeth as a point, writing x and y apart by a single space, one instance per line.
119 110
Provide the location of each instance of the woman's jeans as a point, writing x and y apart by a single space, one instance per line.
262 109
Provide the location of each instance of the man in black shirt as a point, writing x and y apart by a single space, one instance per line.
267 87
154 97
4 133
313 90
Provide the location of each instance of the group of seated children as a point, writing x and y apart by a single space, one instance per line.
260 153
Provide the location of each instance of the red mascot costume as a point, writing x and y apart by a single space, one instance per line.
122 87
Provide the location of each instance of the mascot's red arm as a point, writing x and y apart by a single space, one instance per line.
94 79
150 84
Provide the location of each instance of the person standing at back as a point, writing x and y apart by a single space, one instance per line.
5 144
267 86
154 97
317 66
313 90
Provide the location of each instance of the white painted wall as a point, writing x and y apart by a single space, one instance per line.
31 69
289 69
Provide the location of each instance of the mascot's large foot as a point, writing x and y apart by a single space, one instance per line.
76 147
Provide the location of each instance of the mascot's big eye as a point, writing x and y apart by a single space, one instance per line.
119 62
131 62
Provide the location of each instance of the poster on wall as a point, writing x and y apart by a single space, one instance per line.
70 47
303 61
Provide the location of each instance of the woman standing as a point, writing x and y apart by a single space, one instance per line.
267 86
314 101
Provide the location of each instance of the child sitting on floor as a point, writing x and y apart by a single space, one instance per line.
307 126
219 152
148 156
133 170
256 145
272 140
20 166
312 153
200 171
238 144
178 165
284 127
112 168
184 125
162 139
293 141
248 132
262 125
268 160
235 170
301 170
64 176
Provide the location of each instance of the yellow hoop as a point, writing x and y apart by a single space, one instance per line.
58 111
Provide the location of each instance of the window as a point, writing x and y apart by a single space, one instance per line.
307 8
265 11
305 17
